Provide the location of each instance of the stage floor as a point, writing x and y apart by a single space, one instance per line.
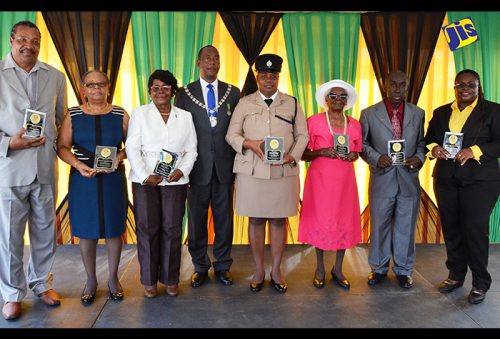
303 306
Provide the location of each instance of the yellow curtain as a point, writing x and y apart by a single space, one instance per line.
437 90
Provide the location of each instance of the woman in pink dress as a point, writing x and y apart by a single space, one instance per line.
330 218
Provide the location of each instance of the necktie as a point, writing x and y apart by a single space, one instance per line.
212 112
268 101
396 125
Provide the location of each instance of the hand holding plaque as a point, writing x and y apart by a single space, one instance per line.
274 150
396 151
166 163
105 158
34 122
341 144
452 143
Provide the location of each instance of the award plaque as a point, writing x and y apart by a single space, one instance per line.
34 122
166 163
396 150
105 157
274 149
452 143
341 144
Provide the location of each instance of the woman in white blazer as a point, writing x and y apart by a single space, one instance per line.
160 134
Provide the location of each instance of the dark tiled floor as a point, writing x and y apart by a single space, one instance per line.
217 306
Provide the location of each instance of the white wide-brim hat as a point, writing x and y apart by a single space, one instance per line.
324 89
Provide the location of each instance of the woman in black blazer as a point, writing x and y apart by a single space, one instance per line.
466 186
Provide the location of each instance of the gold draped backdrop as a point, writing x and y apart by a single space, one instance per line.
437 91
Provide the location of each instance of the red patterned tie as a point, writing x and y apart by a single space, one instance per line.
396 125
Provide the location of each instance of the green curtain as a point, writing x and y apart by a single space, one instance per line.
169 40
7 20
320 47
483 56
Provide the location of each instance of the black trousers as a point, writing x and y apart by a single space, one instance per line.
158 213
220 197
465 207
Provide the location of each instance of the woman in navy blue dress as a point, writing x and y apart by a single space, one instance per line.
97 198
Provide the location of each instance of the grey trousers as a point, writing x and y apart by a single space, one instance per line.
34 204
393 222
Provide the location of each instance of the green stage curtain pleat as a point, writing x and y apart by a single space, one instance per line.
483 56
7 20
325 47
169 40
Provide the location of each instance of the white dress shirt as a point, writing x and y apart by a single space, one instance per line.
205 91
148 134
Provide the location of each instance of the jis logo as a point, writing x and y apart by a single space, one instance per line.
460 33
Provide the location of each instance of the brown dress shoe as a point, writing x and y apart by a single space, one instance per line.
150 291
172 290
11 310
50 298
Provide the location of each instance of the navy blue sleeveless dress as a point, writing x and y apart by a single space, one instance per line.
98 205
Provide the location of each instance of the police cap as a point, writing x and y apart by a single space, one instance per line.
268 63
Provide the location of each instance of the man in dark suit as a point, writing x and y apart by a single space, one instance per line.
211 180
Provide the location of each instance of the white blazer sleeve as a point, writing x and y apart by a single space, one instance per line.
133 146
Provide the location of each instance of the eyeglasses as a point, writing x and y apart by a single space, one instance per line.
96 85
462 85
268 76
164 88
24 41
335 96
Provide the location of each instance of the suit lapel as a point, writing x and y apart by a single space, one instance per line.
383 117
407 116
197 92
222 111
14 82
43 78
473 119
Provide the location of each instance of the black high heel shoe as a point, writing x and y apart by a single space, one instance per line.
345 284
115 295
318 283
87 299
256 287
279 287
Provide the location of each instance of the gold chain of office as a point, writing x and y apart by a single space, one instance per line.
202 105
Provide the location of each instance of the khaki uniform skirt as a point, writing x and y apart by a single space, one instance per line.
267 198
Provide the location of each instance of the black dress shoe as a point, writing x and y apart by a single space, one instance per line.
476 296
225 277
447 285
198 278
344 283
375 278
279 287
405 281
256 287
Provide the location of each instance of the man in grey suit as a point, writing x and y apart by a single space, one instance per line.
27 167
394 189
211 180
